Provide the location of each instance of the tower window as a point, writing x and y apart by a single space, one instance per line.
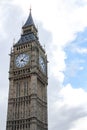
17 89
25 88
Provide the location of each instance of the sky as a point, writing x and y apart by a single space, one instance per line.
62 29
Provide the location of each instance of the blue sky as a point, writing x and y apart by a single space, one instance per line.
62 26
76 61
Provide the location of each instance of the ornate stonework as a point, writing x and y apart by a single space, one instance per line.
27 102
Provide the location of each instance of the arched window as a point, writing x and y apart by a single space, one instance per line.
17 89
25 88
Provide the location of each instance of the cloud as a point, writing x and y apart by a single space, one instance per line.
82 124
3 110
78 49
67 108
81 50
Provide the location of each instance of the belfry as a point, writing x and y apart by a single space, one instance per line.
28 80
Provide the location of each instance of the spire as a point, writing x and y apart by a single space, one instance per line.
29 21
29 31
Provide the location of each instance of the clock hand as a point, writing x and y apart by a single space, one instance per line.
24 57
22 60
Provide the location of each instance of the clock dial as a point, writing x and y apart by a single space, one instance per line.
22 60
42 64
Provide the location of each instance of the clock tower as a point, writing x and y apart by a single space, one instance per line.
27 100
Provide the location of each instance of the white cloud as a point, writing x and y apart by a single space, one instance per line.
3 110
68 109
80 124
73 97
81 50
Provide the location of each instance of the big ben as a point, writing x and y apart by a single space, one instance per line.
28 80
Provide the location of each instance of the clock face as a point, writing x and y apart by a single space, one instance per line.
42 64
21 60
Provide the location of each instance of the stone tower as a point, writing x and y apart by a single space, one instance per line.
27 101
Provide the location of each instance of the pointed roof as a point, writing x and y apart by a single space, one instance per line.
26 38
28 34
29 21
